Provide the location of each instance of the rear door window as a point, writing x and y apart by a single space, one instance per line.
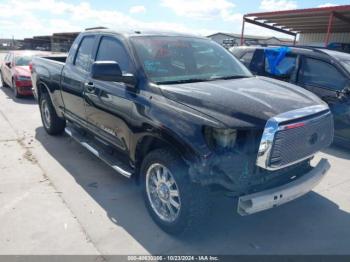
322 74
83 58
284 69
257 63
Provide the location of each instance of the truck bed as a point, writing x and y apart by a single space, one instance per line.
48 69
48 66
56 58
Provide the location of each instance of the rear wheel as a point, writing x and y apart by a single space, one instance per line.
173 201
53 124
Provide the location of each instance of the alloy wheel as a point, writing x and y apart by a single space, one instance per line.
45 112
163 192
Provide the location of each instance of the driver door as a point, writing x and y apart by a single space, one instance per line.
108 104
327 81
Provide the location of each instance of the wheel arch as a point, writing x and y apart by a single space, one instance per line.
43 87
150 142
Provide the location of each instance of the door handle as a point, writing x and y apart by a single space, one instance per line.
89 87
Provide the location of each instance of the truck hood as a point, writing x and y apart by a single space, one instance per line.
246 102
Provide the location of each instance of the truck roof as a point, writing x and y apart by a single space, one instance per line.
337 54
131 33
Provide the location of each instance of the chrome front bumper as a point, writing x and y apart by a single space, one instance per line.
253 203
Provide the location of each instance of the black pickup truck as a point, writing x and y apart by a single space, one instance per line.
184 118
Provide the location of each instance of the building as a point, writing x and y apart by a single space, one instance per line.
314 26
58 42
10 44
61 42
228 40
37 43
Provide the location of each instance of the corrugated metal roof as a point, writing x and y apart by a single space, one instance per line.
318 38
312 20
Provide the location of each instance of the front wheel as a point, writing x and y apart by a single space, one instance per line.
2 80
173 201
53 124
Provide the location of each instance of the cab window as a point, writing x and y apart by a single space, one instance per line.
83 58
111 49
322 74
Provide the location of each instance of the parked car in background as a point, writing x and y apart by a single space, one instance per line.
321 71
184 117
342 47
15 71
336 46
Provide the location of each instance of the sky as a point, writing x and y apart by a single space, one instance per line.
26 18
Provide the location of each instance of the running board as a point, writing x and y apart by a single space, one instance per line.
98 151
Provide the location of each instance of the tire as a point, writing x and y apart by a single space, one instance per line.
53 124
15 90
2 81
191 197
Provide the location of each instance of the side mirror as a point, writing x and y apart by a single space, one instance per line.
110 71
344 92
8 64
346 89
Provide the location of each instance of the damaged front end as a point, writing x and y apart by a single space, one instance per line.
234 170
263 159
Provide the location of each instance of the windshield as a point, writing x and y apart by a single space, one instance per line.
23 60
185 59
346 64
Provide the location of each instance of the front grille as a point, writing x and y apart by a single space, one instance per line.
291 145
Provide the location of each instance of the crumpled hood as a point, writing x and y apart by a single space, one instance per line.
246 102
22 71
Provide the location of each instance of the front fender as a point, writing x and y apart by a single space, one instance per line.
176 124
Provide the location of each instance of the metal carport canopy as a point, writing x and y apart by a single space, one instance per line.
334 19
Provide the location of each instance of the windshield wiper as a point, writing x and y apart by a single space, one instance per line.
182 81
229 77
193 80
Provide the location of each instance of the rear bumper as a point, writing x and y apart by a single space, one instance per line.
253 203
24 89
25 92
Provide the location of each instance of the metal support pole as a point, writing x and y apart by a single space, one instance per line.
242 33
295 40
329 29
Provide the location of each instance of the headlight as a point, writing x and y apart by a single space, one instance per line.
220 138
263 147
